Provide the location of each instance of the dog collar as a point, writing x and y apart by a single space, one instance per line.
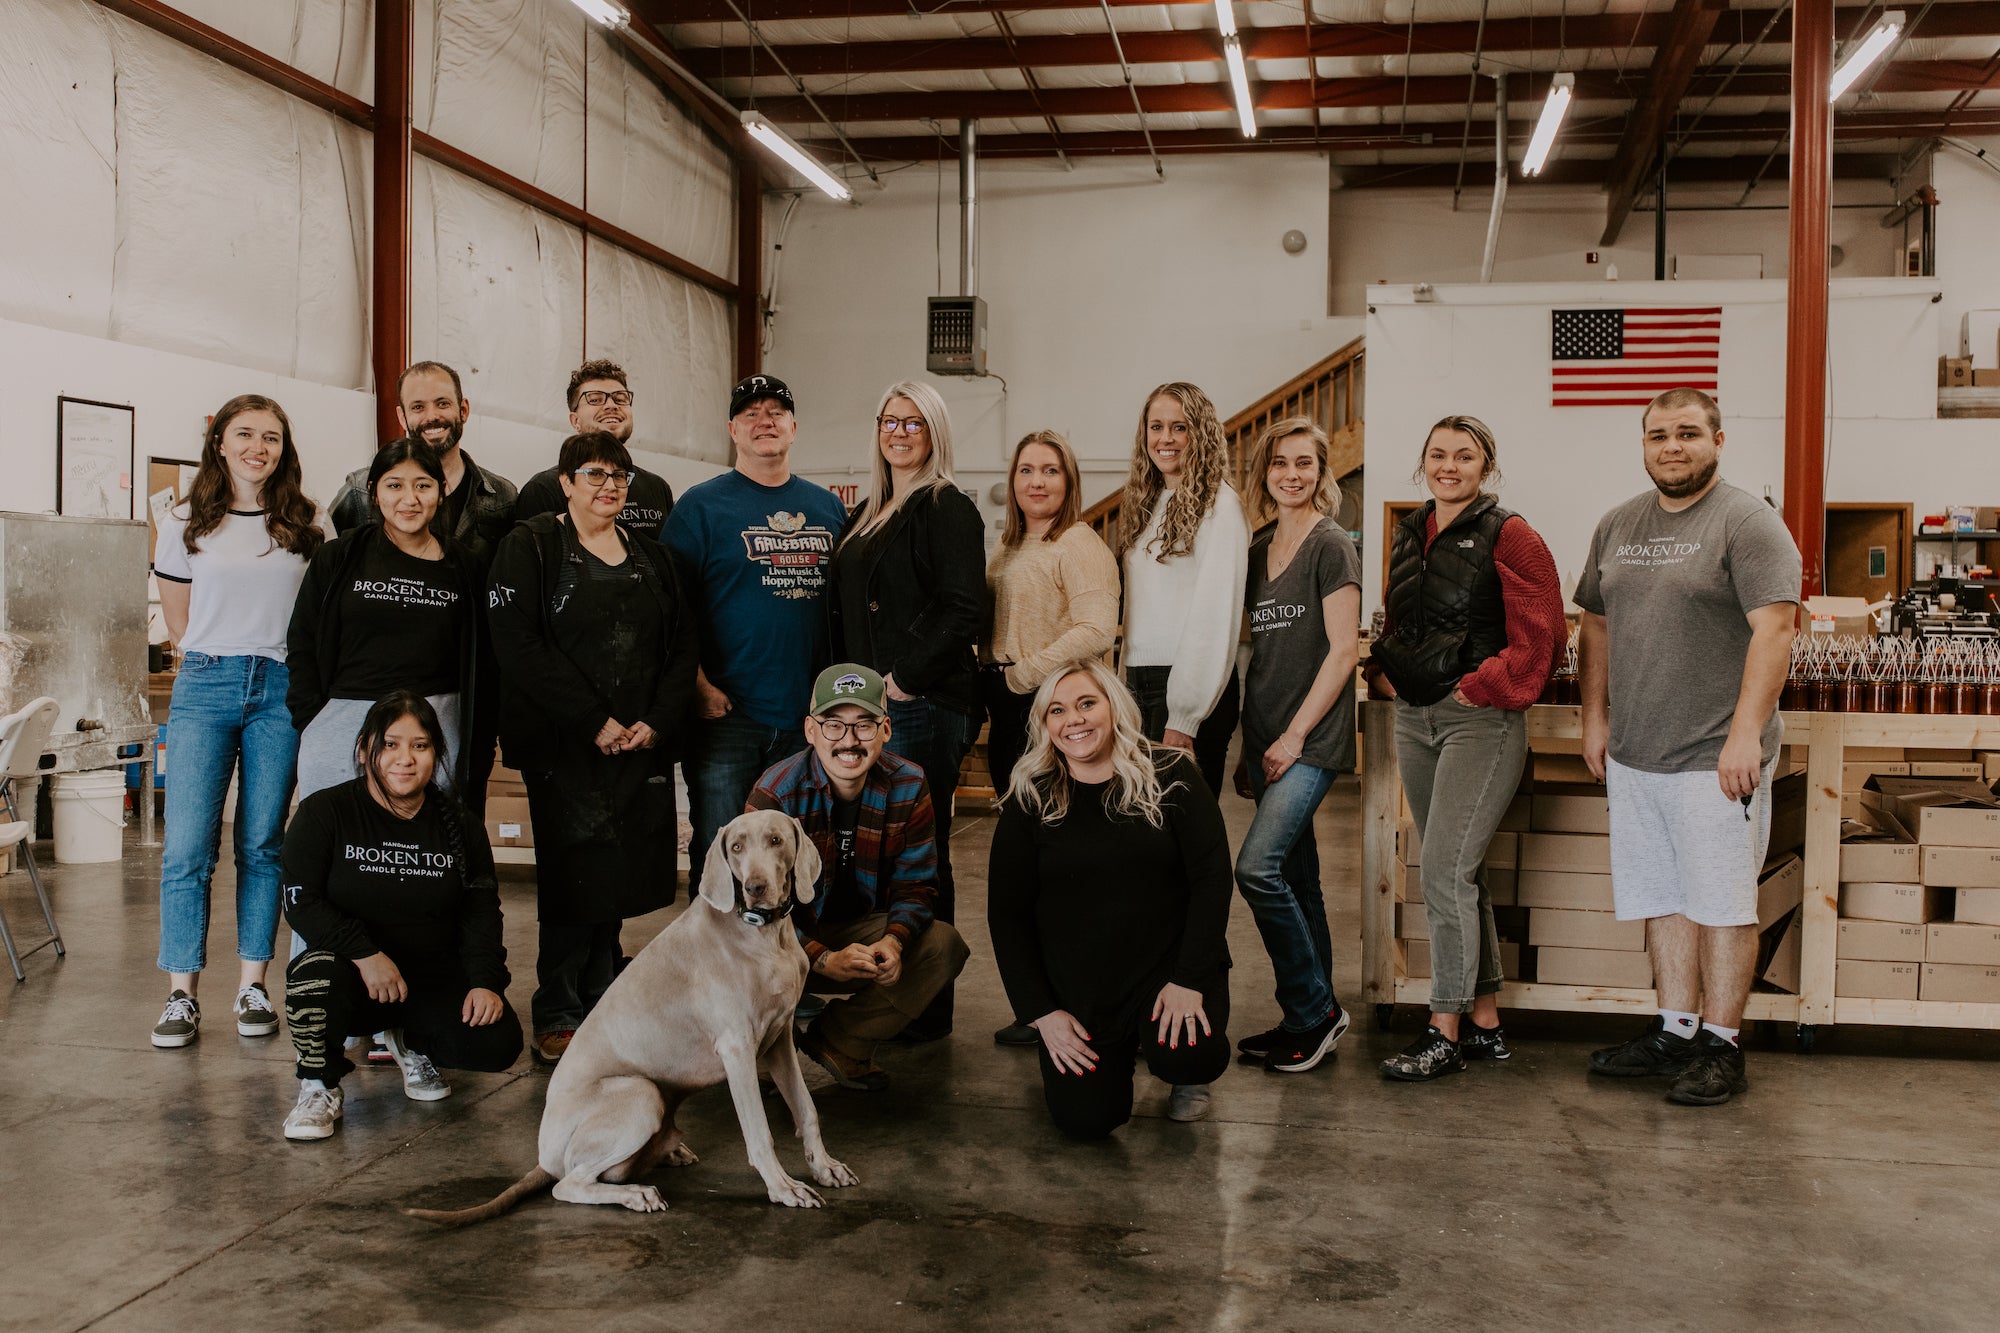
757 916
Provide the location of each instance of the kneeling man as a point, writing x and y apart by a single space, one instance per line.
869 933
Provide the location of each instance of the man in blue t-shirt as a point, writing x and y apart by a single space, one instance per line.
756 543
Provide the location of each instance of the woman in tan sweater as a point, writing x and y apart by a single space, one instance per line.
1052 586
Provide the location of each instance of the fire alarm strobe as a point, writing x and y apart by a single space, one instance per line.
955 341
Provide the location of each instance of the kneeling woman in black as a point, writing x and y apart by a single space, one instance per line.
391 886
1107 899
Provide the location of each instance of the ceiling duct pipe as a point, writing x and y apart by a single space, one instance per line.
1499 177
968 207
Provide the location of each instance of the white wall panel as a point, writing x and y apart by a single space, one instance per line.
674 339
332 40
503 80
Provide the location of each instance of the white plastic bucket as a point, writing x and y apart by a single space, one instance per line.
89 813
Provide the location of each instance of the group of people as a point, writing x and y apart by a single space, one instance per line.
835 665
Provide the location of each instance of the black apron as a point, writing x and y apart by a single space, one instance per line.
605 825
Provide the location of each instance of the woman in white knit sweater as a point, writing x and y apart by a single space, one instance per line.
1185 547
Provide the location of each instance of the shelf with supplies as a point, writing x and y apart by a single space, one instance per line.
1818 746
1982 535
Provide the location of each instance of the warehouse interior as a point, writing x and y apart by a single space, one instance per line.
1313 208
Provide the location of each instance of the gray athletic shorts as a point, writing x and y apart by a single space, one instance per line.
1679 847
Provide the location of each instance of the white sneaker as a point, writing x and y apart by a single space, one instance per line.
421 1080
316 1114
1189 1101
254 1015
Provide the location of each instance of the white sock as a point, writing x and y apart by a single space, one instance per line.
1680 1024
311 1085
1727 1034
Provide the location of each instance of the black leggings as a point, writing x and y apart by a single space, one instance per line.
327 1002
1090 1106
1211 739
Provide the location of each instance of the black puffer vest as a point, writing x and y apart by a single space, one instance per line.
1445 605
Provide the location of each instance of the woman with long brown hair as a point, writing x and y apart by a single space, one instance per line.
1185 546
229 561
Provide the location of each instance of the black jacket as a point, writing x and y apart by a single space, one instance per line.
488 513
647 504
1446 609
926 584
544 697
313 644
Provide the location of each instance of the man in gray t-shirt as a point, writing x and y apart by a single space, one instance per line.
1689 603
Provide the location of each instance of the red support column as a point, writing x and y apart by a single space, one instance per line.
749 262
1806 291
390 309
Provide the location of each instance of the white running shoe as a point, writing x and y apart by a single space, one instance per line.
316 1114
421 1080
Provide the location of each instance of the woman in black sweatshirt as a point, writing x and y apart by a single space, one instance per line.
1108 900
391 886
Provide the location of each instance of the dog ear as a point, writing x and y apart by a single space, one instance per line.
718 884
805 866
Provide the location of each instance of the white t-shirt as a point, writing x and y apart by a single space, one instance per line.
243 584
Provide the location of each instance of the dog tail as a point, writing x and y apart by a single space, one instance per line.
535 1181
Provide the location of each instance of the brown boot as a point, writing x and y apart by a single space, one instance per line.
549 1046
869 1077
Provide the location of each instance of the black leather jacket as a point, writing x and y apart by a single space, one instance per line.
925 575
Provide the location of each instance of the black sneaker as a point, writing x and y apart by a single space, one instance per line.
1657 1053
1017 1034
1713 1076
1478 1043
1297 1052
1430 1056
1260 1044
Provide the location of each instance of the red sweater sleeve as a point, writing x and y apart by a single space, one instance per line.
1531 591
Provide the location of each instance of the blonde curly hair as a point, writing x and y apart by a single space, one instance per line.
1204 472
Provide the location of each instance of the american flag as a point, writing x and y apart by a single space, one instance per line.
1626 358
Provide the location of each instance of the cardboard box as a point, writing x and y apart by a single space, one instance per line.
1567 929
1593 967
1953 942
1588 853
1854 754
1875 848
1956 813
1845 617
1566 770
1931 768
1907 904
1501 853
1565 889
1983 378
1954 372
1780 888
1856 979
1413 921
1570 809
1959 983
1976 907
1854 776
1417 959
1960 867
1788 815
1882 941
1783 969
1503 885
1516 818
507 823
1989 764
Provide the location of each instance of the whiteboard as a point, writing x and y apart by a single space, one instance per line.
94 459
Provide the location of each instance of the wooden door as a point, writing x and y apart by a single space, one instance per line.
1867 550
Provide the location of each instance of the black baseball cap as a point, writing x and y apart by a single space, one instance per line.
757 388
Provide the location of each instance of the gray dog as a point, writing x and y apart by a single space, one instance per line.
709 998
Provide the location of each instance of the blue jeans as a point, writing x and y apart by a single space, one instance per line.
224 708
723 762
1277 870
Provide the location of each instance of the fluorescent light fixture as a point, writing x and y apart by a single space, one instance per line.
775 139
1553 111
1861 57
608 12
1239 73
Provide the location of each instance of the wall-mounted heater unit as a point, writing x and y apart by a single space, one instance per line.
956 341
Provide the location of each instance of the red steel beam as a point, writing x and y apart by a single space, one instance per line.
749 267
769 11
209 41
1673 68
389 308
1809 266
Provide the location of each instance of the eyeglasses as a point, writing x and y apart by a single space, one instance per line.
599 397
864 729
597 476
907 425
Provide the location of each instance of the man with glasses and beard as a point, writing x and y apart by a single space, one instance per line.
601 400
1688 602
870 931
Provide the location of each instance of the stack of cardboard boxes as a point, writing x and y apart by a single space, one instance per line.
1920 884
507 809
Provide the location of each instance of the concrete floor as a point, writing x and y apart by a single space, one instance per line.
147 1189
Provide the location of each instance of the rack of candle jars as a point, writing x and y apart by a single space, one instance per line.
1856 675
1563 687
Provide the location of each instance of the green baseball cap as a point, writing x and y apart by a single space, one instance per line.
849 683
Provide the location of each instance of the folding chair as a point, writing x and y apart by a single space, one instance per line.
23 737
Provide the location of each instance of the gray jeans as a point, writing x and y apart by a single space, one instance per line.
1460 766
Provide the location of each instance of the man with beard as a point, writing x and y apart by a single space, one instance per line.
1688 602
478 506
601 400
870 931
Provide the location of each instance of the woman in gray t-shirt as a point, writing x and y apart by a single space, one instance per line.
1303 595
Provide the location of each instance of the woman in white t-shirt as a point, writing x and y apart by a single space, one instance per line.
229 561
1185 547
